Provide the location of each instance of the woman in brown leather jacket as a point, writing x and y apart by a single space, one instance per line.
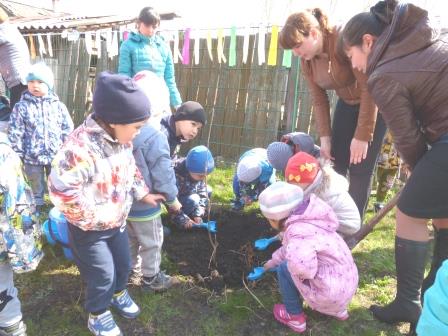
406 61
353 141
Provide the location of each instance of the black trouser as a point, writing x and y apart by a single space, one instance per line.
15 93
345 120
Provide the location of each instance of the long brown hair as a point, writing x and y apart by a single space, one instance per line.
373 22
298 27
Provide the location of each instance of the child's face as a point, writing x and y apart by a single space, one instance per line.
188 129
37 88
198 177
147 30
126 133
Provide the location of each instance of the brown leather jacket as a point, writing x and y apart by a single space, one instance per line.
331 71
408 79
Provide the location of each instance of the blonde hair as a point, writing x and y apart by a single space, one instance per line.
3 16
298 27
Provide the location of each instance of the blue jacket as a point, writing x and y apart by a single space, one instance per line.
140 52
267 176
187 186
152 156
38 127
168 127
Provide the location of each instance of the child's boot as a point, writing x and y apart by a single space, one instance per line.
17 329
295 322
103 325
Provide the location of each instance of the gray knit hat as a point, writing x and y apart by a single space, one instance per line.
278 154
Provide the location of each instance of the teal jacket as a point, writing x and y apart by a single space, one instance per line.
434 318
140 52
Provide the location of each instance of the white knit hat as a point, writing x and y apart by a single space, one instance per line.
248 169
279 199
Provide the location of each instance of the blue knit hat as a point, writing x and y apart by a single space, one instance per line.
199 159
278 154
40 71
119 100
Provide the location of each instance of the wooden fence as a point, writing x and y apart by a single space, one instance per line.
248 105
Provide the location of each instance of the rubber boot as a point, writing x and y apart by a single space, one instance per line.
439 256
410 260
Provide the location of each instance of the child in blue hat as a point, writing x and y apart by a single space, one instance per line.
39 125
194 193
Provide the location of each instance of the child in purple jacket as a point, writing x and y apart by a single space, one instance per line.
314 264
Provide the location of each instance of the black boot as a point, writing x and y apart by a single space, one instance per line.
439 256
410 260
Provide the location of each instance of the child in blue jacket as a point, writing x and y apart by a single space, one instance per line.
183 126
194 193
254 173
144 50
39 125
145 230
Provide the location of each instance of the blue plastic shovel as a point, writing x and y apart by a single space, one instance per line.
210 226
258 272
263 243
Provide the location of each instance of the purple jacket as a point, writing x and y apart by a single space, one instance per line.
318 259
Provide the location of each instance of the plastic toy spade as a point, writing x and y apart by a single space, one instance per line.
263 243
210 226
258 272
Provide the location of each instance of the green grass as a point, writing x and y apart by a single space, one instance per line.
52 297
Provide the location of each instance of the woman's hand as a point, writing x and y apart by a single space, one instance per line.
358 151
325 148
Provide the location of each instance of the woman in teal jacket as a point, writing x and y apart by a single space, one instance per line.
144 50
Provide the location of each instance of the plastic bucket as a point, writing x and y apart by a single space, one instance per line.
56 231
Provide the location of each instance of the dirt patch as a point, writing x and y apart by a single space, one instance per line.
191 251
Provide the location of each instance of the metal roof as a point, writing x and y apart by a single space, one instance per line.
17 9
30 19
58 24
